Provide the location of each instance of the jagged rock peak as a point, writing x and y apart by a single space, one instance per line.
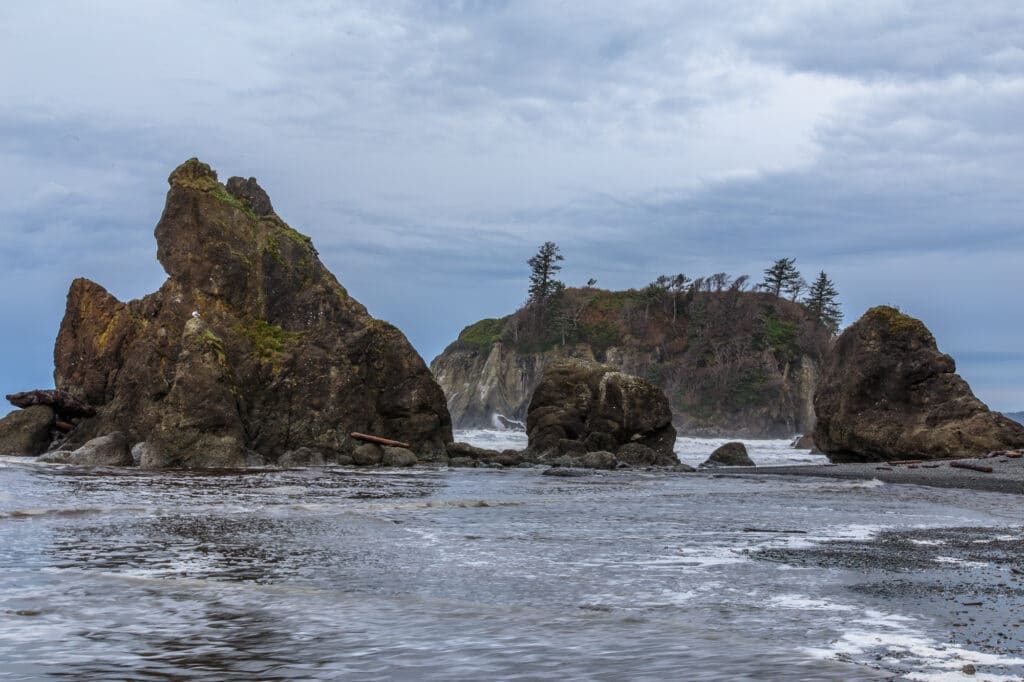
250 192
195 174
250 349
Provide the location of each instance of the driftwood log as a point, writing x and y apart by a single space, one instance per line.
378 440
62 402
973 467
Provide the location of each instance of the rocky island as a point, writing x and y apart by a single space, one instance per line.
732 362
251 352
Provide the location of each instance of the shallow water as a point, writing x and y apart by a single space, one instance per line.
464 574
692 451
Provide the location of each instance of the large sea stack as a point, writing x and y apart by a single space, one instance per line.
583 406
249 350
889 394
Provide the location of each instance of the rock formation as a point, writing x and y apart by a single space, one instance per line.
889 394
27 432
582 407
250 349
731 362
729 455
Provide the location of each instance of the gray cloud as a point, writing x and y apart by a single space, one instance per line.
441 142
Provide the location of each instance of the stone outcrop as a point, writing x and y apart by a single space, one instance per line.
889 394
584 407
250 349
63 403
729 455
731 362
28 431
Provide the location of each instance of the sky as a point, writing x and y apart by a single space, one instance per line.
429 148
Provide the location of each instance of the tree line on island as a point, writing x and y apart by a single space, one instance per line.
549 307
732 357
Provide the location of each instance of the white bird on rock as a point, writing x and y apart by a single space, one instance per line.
195 314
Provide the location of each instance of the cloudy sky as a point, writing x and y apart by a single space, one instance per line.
429 147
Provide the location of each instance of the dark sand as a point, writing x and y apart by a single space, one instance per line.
1007 475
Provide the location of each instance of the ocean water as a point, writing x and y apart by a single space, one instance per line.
690 451
472 574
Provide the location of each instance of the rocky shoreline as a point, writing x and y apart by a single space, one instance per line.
1007 475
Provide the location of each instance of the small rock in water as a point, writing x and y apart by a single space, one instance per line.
729 455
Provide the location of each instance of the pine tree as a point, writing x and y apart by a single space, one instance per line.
821 303
543 268
782 276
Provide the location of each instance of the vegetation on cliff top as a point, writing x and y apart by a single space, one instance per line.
711 343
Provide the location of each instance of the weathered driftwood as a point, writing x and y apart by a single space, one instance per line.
972 466
378 440
63 426
62 402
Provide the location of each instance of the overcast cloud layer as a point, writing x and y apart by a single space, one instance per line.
429 147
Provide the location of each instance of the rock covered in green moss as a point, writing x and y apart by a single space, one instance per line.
249 350
599 408
889 394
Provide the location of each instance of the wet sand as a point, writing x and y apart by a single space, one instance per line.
1007 474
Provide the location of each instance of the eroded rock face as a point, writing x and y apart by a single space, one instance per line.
889 394
585 402
26 432
250 346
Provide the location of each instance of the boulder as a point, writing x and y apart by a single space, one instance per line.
729 455
887 393
250 345
368 454
508 458
600 407
26 432
110 450
471 451
139 451
398 457
302 457
56 457
599 460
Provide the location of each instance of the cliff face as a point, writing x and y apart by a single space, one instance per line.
889 394
731 362
250 346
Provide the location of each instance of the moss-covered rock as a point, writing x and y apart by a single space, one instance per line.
251 345
889 394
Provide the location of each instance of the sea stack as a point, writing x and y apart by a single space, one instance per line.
889 394
583 407
250 349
